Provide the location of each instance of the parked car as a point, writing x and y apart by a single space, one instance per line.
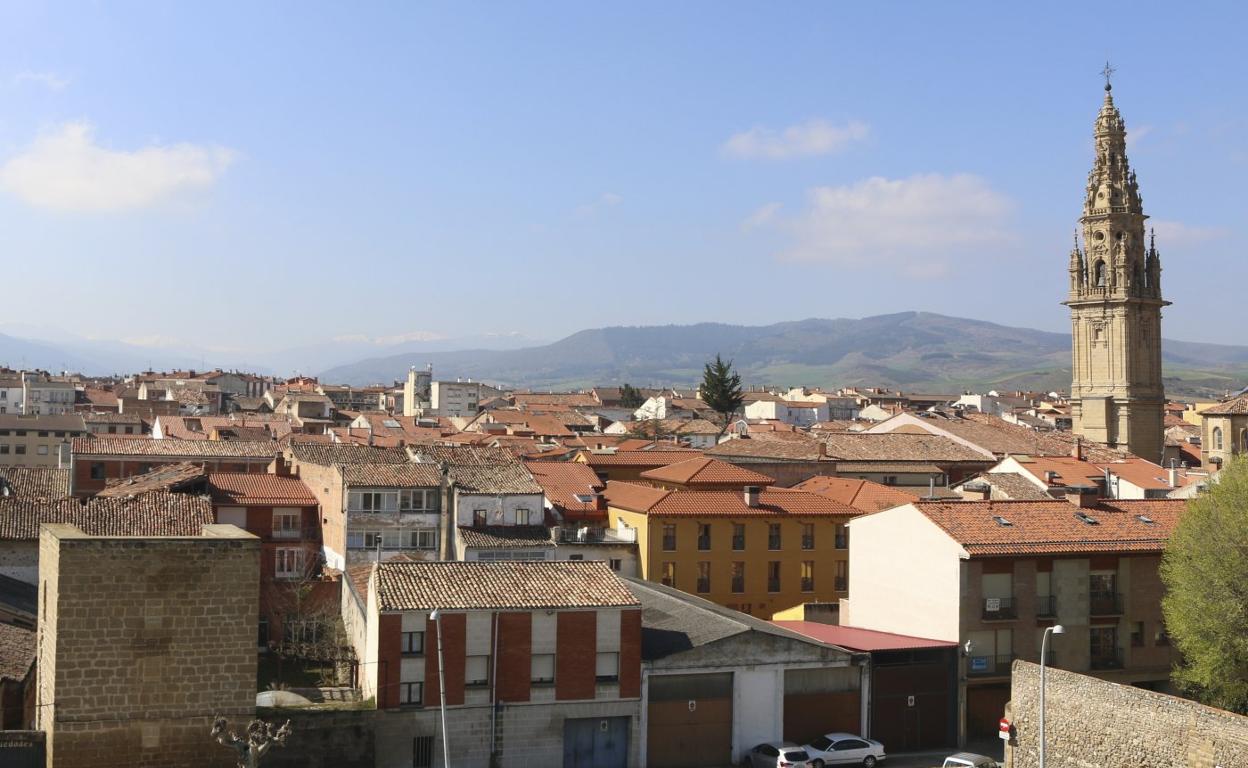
969 760
777 754
844 749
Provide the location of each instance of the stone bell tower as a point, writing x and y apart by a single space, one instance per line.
1115 304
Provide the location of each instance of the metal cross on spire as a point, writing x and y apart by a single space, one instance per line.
1108 72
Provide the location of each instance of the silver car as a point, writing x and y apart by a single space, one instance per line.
969 760
844 749
777 754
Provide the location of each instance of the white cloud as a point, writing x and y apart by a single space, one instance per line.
1178 233
49 80
382 341
605 200
1137 134
765 215
918 226
813 137
66 170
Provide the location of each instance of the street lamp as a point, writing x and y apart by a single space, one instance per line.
1056 629
436 615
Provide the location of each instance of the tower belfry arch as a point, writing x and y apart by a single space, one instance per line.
1117 394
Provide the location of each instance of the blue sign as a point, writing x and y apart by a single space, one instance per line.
979 663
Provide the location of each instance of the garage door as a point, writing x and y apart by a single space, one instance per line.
595 742
689 721
819 701
985 706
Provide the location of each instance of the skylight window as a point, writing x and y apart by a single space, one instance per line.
584 498
391 423
1087 519
1145 519
1001 521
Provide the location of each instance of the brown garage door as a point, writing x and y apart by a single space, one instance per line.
690 721
985 706
819 701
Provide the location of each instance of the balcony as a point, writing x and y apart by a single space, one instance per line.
1000 609
840 583
1046 606
1106 659
988 666
1104 603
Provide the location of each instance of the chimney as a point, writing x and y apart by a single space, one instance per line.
1050 477
823 450
1082 496
1077 450
751 495
976 492
600 502
1173 476
279 466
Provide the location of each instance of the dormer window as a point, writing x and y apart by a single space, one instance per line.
1086 519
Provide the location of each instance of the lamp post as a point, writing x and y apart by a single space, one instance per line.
436 615
1056 629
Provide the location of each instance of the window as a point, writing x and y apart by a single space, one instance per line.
422 539
422 752
842 576
370 501
1217 438
738 537
97 470
808 575
669 574
1099 274
844 745
4 447
412 693
669 538
773 536
522 516
577 558
607 669
288 563
1163 637
477 671
418 500
413 643
478 518
738 577
615 564
542 669
371 539
890 480
1137 635
704 577
773 576
285 525
808 535
42 450
842 536
704 536
19 449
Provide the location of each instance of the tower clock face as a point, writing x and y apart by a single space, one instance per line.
1098 236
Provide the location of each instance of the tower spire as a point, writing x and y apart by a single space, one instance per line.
1107 73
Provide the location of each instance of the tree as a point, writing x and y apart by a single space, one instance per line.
1205 570
630 396
254 744
721 390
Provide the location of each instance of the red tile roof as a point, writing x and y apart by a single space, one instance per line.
863 495
1053 527
1236 406
653 458
705 503
134 445
561 481
856 639
261 490
706 471
392 475
493 586
149 514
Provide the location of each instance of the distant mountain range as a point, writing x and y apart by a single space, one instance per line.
910 350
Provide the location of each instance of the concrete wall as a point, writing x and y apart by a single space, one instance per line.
499 509
1090 722
141 642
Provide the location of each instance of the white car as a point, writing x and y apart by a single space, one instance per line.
844 749
777 754
969 760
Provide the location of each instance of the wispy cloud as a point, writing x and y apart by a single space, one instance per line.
1178 233
813 137
49 80
383 341
605 200
66 169
918 226
1137 135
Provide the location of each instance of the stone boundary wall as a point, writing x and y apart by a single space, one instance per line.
1091 723
324 739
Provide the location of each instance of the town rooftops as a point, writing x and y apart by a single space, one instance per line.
565 399
780 445
996 528
329 454
121 445
862 495
150 514
506 537
899 447
721 503
658 457
706 471
1236 406
34 482
392 475
856 639
256 489
66 422
567 484
167 477
501 478
17 651
533 584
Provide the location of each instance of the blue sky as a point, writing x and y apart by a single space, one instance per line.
255 176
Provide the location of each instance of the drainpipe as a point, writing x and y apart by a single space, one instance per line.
495 757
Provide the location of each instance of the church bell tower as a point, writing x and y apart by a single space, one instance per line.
1117 396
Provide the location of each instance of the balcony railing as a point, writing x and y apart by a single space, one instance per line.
1104 604
988 666
840 583
999 609
1106 659
1046 606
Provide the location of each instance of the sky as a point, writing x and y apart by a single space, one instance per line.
257 176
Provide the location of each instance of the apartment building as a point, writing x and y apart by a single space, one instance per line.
540 662
1224 431
459 398
10 392
97 460
38 441
44 396
993 575
391 509
724 533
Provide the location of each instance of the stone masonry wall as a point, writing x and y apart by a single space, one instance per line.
1091 723
141 642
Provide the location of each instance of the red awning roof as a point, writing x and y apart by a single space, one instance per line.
855 639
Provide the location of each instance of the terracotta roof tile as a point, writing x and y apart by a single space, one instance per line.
494 586
898 447
168 477
329 454
562 481
706 471
862 495
149 514
1236 406
392 475
506 537
133 445
35 482
651 458
17 651
719 503
256 489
